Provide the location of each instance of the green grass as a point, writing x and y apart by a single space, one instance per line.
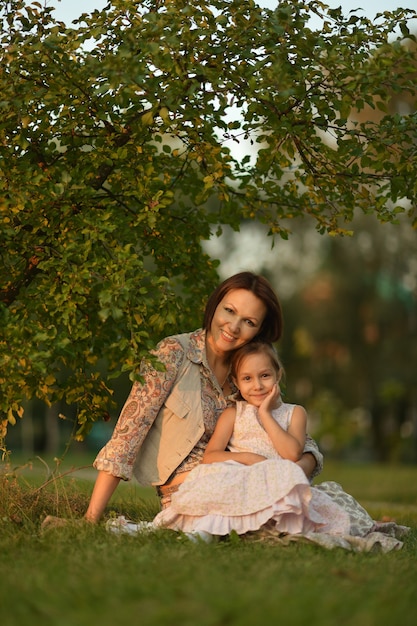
81 575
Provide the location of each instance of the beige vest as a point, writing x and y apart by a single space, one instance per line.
177 428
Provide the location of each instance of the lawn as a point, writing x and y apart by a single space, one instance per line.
83 575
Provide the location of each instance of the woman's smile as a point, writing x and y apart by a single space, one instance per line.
227 336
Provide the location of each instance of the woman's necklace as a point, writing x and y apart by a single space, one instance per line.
215 373
224 383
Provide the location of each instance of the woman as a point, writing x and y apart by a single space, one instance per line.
167 420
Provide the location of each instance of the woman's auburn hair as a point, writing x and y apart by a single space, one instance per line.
272 325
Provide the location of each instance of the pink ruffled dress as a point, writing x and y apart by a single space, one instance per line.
228 496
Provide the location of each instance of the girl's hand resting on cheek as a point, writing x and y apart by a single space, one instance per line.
271 400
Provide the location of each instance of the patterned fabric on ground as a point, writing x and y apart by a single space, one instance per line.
372 542
122 526
361 523
386 537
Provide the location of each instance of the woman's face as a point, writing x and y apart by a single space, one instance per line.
237 320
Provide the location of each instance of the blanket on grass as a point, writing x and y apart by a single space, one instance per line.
383 537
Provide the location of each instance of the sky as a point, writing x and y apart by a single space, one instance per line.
68 10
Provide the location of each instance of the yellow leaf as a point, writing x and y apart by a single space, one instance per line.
164 114
10 417
147 118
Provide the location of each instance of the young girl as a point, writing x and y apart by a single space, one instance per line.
249 476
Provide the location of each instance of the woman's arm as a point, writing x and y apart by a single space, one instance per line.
103 490
312 459
140 410
116 459
216 447
308 464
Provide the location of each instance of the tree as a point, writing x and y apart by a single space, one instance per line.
116 163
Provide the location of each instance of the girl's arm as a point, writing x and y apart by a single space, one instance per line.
216 447
289 444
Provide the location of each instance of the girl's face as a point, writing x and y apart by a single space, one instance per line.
255 378
237 320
